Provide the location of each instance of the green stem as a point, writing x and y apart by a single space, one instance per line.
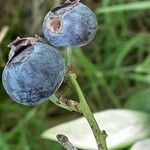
100 136
65 103
69 52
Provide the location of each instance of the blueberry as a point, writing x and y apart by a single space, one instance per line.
72 24
34 71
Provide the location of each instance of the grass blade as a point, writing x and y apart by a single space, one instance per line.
125 7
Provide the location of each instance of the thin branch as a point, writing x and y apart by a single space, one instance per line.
100 135
63 140
69 52
66 103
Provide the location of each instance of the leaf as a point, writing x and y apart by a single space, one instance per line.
145 66
124 127
125 7
145 78
21 124
128 47
140 100
141 145
3 144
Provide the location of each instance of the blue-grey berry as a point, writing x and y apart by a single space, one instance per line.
72 24
34 71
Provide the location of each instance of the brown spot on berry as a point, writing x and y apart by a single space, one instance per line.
54 25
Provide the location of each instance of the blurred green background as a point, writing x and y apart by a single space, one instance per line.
113 70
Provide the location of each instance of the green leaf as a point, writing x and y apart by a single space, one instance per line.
141 145
21 124
124 127
140 100
145 66
145 78
127 48
3 144
125 7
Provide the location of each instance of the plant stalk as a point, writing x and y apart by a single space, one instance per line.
100 136
69 52
65 103
64 141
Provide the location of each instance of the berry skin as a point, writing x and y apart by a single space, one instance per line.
34 71
72 24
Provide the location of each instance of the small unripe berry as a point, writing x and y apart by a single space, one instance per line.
72 24
34 71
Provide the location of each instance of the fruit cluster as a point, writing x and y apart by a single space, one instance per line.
35 69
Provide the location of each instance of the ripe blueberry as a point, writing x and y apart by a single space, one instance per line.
72 24
34 71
